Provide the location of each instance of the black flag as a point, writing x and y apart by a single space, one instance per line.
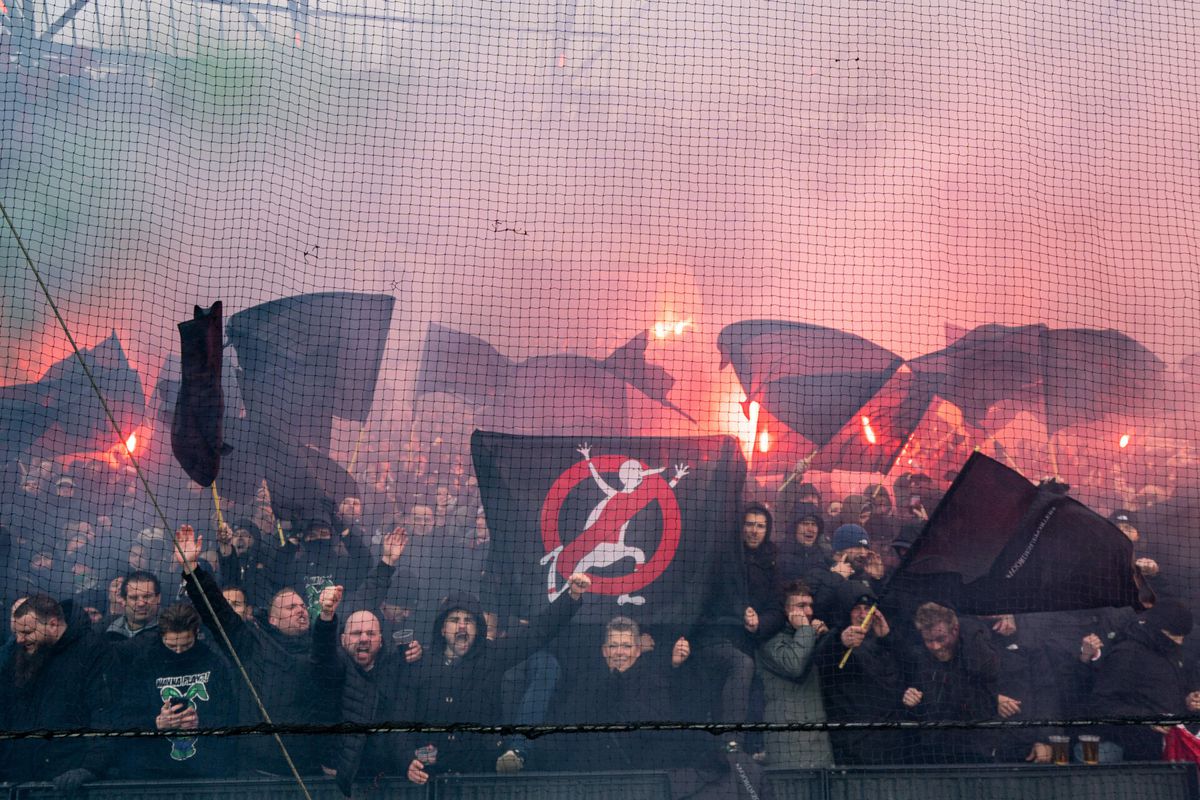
997 544
309 358
196 429
650 519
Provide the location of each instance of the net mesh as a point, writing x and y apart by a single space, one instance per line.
518 292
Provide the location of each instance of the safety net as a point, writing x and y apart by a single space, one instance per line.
417 388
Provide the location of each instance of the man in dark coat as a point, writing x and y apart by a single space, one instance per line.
622 685
803 550
868 688
371 679
955 680
275 655
54 679
459 679
743 609
854 562
320 559
1144 675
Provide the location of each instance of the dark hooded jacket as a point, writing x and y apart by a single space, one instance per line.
200 677
795 560
867 689
467 689
68 691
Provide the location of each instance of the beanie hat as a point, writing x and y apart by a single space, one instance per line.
850 535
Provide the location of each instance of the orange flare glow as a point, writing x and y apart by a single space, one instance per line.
764 441
664 329
868 431
131 443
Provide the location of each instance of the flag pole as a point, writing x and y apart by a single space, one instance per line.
1053 457
217 503
800 469
866 621
362 432
278 527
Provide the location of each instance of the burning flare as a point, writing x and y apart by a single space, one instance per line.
868 431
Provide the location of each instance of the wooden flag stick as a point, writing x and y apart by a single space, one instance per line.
866 621
217 503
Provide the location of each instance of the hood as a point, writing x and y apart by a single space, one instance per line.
847 596
456 601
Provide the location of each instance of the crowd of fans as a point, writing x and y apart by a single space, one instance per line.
380 612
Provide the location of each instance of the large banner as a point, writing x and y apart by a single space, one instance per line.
652 520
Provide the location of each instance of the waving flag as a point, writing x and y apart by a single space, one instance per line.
998 544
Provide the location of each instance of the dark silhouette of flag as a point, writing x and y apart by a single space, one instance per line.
998 544
307 359
196 428
811 378
561 393
1088 374
652 520
62 414
984 366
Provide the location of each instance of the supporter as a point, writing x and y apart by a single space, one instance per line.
318 559
242 561
428 559
141 597
370 681
619 684
791 685
804 550
54 679
853 561
176 683
1144 675
1125 522
856 510
1027 690
462 682
236 597
742 609
868 687
954 681
275 656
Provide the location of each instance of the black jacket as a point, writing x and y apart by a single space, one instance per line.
593 693
468 689
69 691
1141 676
378 695
278 666
962 689
868 688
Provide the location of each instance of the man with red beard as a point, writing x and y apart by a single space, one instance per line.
955 680
54 680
